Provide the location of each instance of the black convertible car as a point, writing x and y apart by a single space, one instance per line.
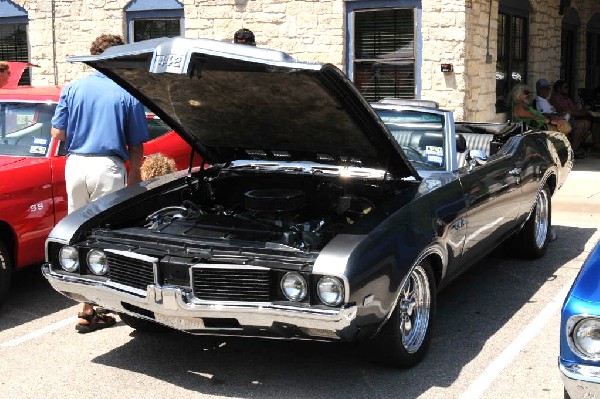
315 216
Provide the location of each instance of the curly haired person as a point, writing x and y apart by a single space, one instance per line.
157 165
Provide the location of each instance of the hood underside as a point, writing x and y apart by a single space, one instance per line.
233 102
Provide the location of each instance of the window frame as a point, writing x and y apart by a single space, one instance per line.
353 6
13 14
152 10
512 10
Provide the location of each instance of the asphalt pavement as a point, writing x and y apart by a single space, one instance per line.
579 198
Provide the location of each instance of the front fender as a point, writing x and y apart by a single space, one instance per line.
104 211
381 262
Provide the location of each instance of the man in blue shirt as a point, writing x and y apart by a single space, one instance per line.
103 126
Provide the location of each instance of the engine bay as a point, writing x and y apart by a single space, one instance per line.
297 211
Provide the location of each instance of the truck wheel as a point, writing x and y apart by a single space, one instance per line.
5 272
531 242
141 324
404 339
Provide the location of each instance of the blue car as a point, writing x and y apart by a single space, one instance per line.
579 360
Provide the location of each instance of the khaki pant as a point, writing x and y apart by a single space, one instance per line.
88 178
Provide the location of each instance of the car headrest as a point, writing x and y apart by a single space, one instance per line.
461 143
431 139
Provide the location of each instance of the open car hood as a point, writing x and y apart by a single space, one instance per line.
233 102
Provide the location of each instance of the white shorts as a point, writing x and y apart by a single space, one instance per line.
88 178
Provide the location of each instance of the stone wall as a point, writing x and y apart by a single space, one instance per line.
459 32
444 36
544 41
311 30
480 72
76 24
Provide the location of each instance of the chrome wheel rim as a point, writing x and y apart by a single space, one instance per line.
414 305
541 218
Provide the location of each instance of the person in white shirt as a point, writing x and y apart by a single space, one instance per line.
542 88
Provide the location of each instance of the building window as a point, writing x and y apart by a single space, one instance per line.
144 29
150 19
382 58
14 45
512 57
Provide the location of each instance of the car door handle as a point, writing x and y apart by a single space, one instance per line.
515 172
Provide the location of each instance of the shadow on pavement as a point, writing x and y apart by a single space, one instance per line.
30 297
470 312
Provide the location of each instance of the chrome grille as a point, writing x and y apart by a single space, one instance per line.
247 285
128 271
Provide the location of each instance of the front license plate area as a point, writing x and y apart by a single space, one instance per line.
181 323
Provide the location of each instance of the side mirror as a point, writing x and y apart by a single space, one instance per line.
476 158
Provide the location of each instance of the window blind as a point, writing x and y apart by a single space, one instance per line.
384 53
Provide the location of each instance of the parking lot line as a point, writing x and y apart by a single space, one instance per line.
478 387
40 332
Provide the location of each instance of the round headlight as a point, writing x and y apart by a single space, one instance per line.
68 258
294 286
96 261
586 337
330 290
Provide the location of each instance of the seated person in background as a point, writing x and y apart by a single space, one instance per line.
156 165
562 102
542 88
522 111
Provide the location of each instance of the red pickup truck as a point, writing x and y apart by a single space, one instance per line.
32 181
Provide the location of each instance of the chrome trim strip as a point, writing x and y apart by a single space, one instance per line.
228 266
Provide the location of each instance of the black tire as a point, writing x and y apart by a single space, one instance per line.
531 242
404 339
141 324
6 269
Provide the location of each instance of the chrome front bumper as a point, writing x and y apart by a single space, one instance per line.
581 381
175 308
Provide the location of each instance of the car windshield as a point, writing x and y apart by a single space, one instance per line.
25 128
156 126
421 136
